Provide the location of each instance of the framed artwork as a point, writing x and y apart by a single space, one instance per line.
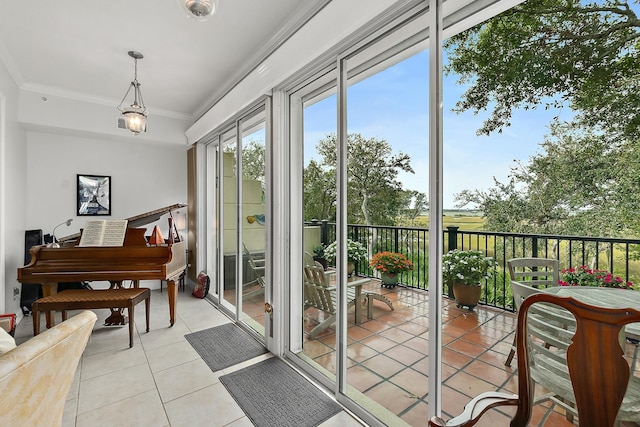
94 195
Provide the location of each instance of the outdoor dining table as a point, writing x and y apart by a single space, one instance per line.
604 297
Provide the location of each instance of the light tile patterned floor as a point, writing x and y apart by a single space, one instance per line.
162 381
388 356
159 382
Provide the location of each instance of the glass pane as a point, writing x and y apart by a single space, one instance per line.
253 221
212 216
387 186
319 214
386 194
229 218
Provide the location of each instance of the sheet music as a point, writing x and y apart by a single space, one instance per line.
104 233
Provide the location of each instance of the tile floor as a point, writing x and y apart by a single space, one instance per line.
159 382
388 356
162 381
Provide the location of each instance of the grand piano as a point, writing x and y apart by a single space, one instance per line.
135 260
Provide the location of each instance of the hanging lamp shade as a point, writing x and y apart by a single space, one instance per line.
135 119
135 115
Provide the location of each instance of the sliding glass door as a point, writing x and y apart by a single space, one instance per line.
253 218
236 158
313 307
355 184
356 156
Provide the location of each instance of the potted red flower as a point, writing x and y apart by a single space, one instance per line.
390 264
585 276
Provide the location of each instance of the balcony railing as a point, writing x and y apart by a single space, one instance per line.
619 256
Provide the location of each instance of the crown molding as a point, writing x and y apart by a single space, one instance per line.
42 90
305 12
10 65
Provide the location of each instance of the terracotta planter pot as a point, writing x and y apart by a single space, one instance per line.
467 295
389 280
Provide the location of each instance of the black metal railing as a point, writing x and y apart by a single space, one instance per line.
619 256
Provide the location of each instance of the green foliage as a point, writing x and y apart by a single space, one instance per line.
467 267
415 203
253 166
584 276
318 251
583 183
553 53
319 192
356 252
494 293
559 53
465 222
420 273
374 193
391 262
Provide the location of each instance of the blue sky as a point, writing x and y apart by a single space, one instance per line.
393 105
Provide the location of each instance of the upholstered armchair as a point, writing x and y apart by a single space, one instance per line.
36 376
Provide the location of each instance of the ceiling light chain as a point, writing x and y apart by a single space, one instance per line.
135 116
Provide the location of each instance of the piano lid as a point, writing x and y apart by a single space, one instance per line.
152 216
137 220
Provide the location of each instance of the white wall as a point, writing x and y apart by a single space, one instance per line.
58 112
12 191
45 143
144 177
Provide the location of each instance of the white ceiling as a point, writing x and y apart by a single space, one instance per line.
78 48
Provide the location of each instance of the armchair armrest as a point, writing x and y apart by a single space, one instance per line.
475 408
360 281
8 323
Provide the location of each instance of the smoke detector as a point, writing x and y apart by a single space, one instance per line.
199 10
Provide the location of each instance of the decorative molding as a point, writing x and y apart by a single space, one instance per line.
10 65
41 90
297 20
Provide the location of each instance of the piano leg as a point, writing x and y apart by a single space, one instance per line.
48 289
172 291
116 317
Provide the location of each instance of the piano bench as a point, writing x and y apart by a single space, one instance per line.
86 299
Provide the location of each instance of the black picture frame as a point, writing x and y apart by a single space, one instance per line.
93 195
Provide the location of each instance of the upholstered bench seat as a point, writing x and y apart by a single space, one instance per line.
78 299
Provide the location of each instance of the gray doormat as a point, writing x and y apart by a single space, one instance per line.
224 346
272 393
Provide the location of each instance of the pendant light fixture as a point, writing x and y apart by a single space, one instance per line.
200 10
135 115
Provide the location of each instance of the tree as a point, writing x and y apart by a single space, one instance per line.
415 204
560 53
374 194
580 184
319 192
503 206
253 165
553 53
